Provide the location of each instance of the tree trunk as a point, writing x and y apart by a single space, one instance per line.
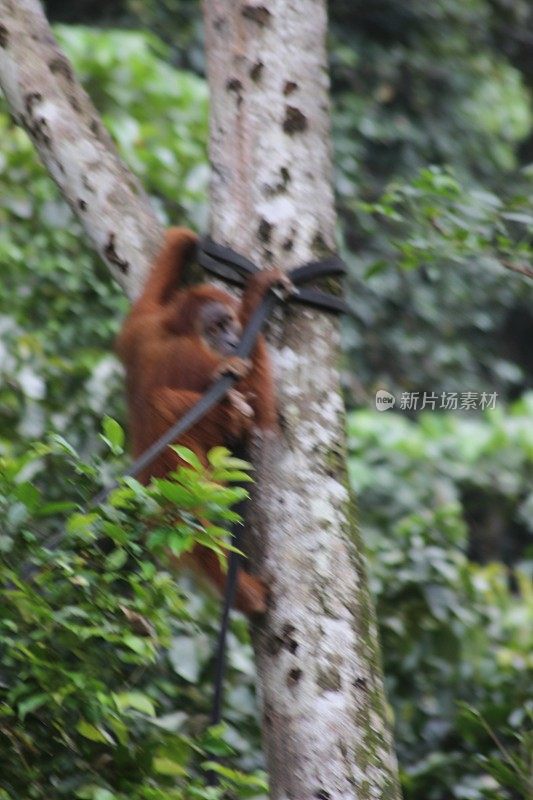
325 722
45 99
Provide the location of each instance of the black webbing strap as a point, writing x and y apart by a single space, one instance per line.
231 266
230 590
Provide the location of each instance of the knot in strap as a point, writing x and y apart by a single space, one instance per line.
226 263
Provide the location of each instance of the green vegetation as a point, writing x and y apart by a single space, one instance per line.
91 632
457 636
106 670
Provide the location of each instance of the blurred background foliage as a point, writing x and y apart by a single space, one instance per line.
433 131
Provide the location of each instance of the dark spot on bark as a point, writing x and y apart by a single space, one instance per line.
288 639
31 99
74 104
287 432
233 85
219 24
281 186
39 130
134 186
329 680
87 184
267 714
4 36
319 246
60 66
258 14
294 676
257 71
289 88
285 176
360 683
264 231
285 640
112 256
275 643
295 121
82 205
322 795
99 131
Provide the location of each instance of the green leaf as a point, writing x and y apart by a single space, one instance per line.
114 435
94 733
136 700
52 509
93 792
115 532
218 456
82 525
231 476
63 445
28 494
239 778
31 704
116 559
188 456
137 644
165 766
175 493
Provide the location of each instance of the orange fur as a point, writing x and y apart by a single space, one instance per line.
169 366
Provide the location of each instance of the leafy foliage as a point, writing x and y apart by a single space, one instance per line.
87 707
419 84
164 142
452 631
422 308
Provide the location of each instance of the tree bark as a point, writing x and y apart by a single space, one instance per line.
45 99
325 722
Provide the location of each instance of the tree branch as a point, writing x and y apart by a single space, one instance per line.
522 269
45 98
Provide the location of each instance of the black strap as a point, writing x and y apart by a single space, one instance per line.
226 263
218 255
228 600
227 605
